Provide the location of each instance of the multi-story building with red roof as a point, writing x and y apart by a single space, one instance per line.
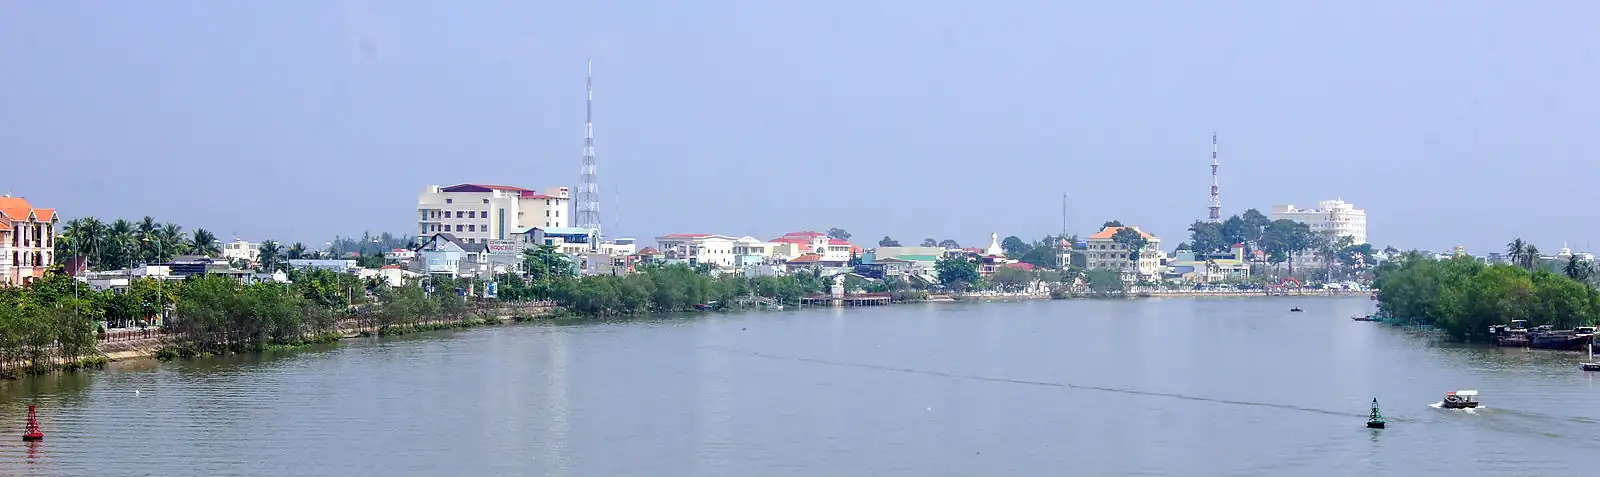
477 213
27 241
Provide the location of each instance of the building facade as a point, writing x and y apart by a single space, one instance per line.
241 250
478 213
1105 253
1330 215
27 241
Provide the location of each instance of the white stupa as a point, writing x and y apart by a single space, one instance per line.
994 246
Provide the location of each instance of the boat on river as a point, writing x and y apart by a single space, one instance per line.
1513 335
1544 337
1365 318
1463 399
1590 365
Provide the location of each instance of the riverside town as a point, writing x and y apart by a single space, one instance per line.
84 291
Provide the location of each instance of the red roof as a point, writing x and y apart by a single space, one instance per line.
389 267
1020 266
834 241
4 227
684 236
807 258
481 188
1110 231
17 209
796 240
528 194
649 251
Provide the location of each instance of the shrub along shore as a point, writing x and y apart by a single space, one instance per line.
1464 297
53 323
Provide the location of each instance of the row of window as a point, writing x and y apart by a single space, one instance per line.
25 259
473 214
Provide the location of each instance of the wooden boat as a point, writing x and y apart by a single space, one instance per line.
1463 399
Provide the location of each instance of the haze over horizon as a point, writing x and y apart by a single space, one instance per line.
1450 123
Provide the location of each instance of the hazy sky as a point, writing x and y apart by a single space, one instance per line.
1450 122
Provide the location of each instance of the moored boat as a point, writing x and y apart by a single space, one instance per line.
1544 337
1515 334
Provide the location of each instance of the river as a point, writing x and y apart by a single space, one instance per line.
1174 386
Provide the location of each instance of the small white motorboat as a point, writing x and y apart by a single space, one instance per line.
1463 399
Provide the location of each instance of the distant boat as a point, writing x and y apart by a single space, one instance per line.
1296 309
1364 318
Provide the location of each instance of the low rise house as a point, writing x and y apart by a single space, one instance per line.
339 266
1216 268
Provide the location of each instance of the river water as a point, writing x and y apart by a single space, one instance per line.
1177 386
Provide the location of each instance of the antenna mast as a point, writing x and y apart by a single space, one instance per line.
1216 192
588 203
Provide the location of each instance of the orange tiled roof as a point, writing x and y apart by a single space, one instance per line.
807 258
1110 231
17 209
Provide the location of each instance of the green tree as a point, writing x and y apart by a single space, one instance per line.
203 242
1103 281
296 251
947 243
1014 247
888 242
1207 238
1110 223
838 233
1013 279
928 242
1284 238
1514 250
1579 269
956 271
270 257
1134 240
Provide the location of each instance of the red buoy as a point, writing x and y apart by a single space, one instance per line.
33 433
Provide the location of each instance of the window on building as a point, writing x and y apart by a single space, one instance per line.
460 214
472 228
485 201
558 213
459 227
449 201
473 214
547 213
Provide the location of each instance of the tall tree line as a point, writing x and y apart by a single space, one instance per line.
123 243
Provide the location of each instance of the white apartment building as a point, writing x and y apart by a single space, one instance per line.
1336 215
477 213
241 250
1105 253
832 250
713 249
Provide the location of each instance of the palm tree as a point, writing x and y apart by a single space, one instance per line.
120 244
296 251
1578 269
270 258
171 241
1530 256
204 243
1514 250
146 239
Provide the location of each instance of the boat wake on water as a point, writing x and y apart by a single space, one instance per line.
1470 410
1037 383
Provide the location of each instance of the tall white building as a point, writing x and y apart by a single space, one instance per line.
1336 215
477 213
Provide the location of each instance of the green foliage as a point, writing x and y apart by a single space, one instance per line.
1013 279
928 242
1284 238
672 288
50 321
888 242
1133 239
1014 247
1207 238
838 233
1103 281
1464 297
947 243
1110 224
1042 257
956 271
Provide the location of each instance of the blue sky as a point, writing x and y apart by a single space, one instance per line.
1460 122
